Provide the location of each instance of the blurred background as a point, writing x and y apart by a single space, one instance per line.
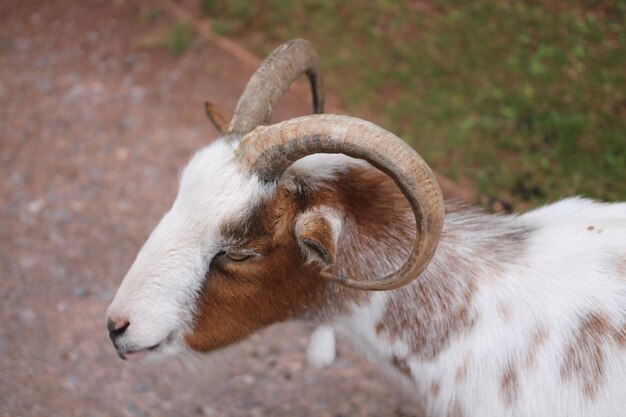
518 103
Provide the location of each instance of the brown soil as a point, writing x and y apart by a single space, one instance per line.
94 129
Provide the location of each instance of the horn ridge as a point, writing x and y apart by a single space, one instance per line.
271 80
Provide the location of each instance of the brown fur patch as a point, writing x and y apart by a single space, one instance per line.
378 222
584 356
402 365
431 320
315 234
506 312
435 388
461 372
620 335
509 385
474 249
241 297
538 339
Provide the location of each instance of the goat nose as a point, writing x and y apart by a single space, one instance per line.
117 328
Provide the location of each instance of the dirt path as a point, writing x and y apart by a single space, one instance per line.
93 132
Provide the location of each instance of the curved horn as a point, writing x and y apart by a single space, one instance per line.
272 79
269 150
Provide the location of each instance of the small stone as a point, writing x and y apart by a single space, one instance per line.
93 37
35 206
129 61
121 153
95 172
62 306
43 85
27 262
76 205
313 379
127 122
208 410
133 408
24 45
247 379
80 291
70 382
257 411
137 94
57 271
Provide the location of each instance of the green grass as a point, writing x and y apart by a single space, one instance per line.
523 100
177 39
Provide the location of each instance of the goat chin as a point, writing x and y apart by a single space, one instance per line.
202 367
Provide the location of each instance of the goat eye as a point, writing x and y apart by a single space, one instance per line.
238 257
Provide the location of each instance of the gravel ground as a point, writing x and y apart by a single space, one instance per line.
94 129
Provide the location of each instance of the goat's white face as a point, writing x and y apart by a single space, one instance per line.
157 297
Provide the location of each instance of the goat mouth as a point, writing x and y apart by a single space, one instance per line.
133 355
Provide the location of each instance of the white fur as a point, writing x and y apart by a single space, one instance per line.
324 167
321 351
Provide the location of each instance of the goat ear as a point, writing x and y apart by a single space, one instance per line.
217 118
317 232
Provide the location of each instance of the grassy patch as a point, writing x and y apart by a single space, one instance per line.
524 100
149 14
177 39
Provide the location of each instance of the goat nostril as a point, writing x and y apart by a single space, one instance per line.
117 328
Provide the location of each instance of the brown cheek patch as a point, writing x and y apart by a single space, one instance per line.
239 298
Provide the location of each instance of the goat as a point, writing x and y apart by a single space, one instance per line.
485 315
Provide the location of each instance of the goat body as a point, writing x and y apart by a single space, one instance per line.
515 315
